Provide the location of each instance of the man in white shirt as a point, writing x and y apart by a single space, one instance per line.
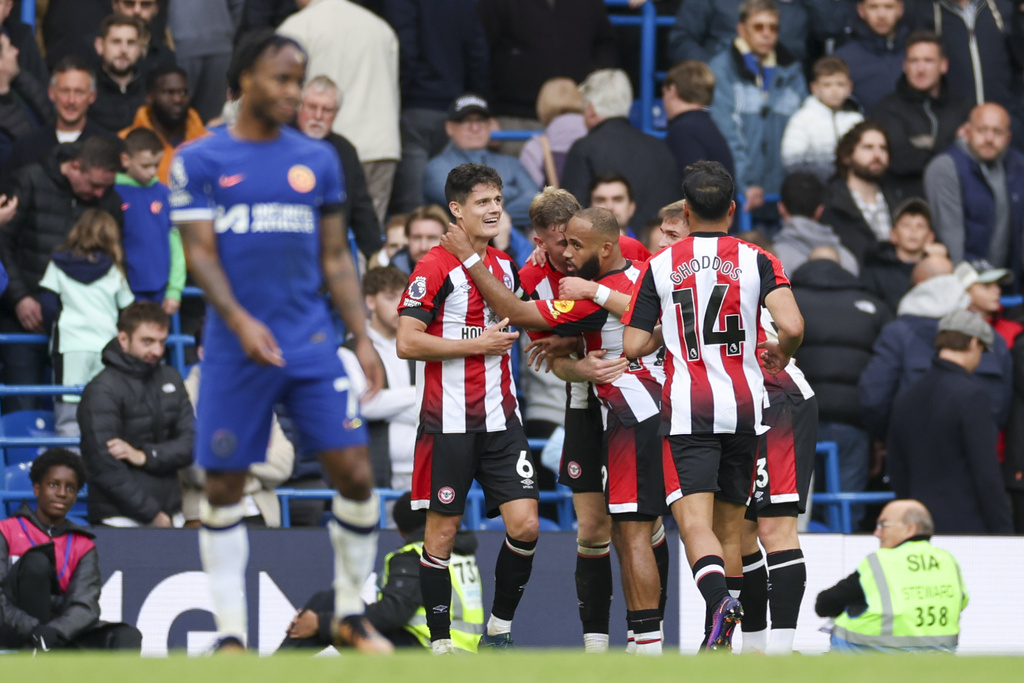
392 413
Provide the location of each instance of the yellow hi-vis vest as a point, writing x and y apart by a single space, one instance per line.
467 608
915 593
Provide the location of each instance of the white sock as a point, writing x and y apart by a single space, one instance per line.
755 641
224 550
595 643
781 641
496 626
648 643
442 647
353 532
630 642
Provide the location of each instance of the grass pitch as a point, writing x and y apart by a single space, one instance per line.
523 666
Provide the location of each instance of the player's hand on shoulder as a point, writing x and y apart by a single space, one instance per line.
258 341
494 342
772 357
601 370
372 366
457 242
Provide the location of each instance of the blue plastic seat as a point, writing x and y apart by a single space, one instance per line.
26 423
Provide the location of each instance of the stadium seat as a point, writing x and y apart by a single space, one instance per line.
26 423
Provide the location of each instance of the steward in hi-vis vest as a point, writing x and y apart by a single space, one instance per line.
399 613
907 595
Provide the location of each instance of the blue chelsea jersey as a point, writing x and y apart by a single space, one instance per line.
265 200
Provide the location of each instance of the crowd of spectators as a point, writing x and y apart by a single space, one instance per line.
874 143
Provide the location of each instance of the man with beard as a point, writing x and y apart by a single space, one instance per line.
167 113
976 212
859 197
321 102
119 83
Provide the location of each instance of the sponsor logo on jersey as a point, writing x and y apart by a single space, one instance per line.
268 217
156 206
230 180
301 178
527 483
223 443
418 287
446 495
179 177
575 470
411 303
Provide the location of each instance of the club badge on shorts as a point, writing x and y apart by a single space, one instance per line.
446 495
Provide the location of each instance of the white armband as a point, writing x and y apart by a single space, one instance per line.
471 261
601 297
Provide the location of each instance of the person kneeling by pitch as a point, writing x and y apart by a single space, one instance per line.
907 596
49 569
399 613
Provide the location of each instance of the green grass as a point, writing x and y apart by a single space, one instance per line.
524 666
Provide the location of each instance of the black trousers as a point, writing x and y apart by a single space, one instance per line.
31 585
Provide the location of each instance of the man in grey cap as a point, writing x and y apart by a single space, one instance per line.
469 126
942 436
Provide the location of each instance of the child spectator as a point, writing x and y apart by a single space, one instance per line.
395 239
152 246
83 289
809 143
887 268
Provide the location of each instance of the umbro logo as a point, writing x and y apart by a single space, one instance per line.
231 180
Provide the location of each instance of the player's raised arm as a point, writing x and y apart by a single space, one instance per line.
342 282
200 242
502 300
613 301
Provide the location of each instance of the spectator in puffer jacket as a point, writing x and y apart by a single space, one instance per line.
137 426
874 51
841 322
809 143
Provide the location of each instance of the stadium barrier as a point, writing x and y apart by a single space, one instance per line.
152 578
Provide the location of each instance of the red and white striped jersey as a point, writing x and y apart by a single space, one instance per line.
636 395
706 291
790 381
472 394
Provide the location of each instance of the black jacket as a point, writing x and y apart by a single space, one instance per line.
1013 467
47 209
147 406
76 609
39 144
615 145
23 37
115 109
443 51
942 452
531 41
919 127
847 221
841 322
885 276
358 206
23 109
693 136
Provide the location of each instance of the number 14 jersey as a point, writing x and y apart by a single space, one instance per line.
706 291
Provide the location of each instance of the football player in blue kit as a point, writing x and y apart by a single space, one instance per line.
259 208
